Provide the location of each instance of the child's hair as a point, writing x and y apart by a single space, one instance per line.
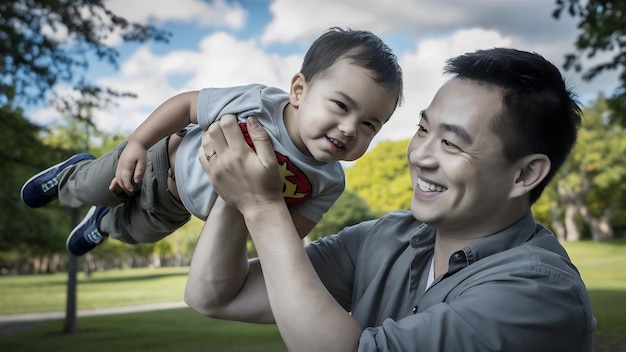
364 48
539 115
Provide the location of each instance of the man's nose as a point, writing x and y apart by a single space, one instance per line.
421 153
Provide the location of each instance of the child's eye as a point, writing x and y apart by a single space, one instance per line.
370 125
341 105
421 129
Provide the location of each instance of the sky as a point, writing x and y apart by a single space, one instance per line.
219 43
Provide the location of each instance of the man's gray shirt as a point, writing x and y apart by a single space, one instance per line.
515 290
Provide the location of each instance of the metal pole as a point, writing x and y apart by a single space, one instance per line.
71 323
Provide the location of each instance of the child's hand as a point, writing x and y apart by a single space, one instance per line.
130 167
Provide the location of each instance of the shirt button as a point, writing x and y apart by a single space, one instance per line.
414 309
457 256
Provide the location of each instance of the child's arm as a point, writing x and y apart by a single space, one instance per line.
170 117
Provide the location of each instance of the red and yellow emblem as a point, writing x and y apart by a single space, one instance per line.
296 186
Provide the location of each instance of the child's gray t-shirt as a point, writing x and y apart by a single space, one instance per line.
310 187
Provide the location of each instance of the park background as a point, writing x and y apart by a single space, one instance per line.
98 74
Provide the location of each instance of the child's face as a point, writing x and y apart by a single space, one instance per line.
339 112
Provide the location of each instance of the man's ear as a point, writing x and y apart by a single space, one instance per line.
296 91
531 171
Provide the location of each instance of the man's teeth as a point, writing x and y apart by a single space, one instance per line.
429 187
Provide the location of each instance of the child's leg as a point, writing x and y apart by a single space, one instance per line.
42 188
88 182
154 213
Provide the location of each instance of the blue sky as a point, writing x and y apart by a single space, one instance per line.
222 43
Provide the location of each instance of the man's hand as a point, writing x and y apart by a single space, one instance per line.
243 178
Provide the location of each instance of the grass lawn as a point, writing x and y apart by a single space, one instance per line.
602 266
112 288
181 330
165 330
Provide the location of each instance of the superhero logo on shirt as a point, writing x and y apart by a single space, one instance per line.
296 186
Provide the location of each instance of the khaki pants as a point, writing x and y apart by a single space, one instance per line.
144 218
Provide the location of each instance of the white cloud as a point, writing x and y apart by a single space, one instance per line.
295 20
422 68
220 60
217 13
224 60
305 19
49 114
440 30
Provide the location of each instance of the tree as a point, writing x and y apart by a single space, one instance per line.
45 42
602 30
349 209
590 187
22 152
601 151
381 177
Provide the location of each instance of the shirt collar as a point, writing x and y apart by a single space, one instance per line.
516 234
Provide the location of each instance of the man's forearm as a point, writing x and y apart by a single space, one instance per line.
220 264
300 302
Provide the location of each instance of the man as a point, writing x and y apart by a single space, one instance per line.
467 269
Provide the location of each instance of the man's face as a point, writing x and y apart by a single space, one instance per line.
461 179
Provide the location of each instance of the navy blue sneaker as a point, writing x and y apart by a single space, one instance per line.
42 188
86 235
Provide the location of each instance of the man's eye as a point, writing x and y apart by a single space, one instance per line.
421 128
449 144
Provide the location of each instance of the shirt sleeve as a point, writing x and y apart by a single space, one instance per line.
334 260
213 103
315 208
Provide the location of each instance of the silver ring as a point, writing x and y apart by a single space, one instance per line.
208 157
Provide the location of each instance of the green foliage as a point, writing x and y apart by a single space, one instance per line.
46 42
602 33
23 230
595 167
174 250
381 177
182 243
598 156
541 208
349 209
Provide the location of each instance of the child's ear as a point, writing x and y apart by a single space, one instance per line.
533 169
296 91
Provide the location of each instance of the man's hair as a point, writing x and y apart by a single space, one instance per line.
363 48
539 115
